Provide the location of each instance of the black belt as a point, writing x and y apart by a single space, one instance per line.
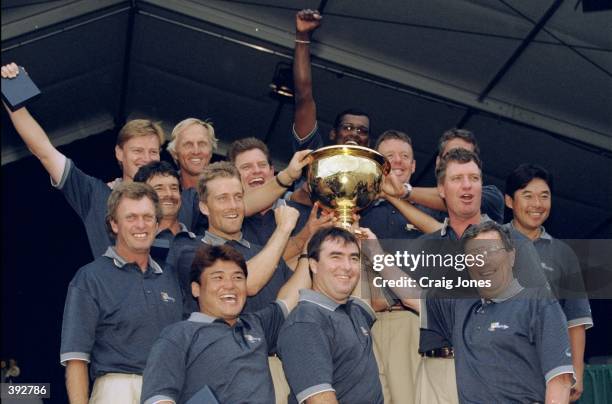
446 353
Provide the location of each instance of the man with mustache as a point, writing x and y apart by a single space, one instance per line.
511 343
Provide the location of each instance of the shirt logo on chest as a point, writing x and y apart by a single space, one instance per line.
252 339
364 331
496 325
546 267
167 298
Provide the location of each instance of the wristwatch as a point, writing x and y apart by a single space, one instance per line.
407 191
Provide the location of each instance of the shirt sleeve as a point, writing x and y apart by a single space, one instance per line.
272 317
573 297
164 374
493 203
437 315
306 354
312 141
80 189
552 340
79 325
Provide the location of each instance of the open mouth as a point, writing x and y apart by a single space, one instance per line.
229 298
256 182
140 236
231 216
467 197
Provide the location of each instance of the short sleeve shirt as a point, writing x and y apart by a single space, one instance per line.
203 351
326 346
114 313
506 349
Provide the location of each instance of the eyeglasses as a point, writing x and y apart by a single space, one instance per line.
360 130
486 252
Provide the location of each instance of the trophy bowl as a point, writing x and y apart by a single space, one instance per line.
346 179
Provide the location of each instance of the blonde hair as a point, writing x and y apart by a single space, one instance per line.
220 169
140 127
184 124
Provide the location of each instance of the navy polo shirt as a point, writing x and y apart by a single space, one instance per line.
491 204
87 196
312 141
203 351
559 264
164 240
190 213
181 257
326 346
114 313
525 270
258 228
387 222
507 348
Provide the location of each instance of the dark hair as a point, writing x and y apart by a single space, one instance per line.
154 168
245 144
130 190
523 175
392 134
458 155
474 230
456 133
206 256
329 233
351 111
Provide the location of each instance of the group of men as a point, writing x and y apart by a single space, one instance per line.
223 281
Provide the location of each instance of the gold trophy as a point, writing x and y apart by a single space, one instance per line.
346 179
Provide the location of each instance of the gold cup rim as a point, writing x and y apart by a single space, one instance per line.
352 150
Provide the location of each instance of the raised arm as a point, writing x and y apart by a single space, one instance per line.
263 197
33 135
300 279
262 266
306 21
297 243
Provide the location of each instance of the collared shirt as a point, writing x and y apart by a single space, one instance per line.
559 264
506 348
164 240
203 351
114 312
181 257
326 346
387 222
190 213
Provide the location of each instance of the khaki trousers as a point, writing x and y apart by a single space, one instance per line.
436 382
116 388
281 387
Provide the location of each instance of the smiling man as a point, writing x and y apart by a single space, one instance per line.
191 146
511 344
238 344
117 305
325 344
138 143
529 195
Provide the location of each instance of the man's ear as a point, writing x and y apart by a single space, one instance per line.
119 155
509 201
203 208
114 226
195 289
441 191
313 265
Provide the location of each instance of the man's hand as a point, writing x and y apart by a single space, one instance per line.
577 390
299 160
307 21
9 71
392 186
286 217
314 223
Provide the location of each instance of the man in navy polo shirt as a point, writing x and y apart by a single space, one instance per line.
511 344
218 347
492 200
221 199
252 159
164 179
529 195
117 305
325 343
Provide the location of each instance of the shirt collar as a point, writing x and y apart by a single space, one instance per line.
198 317
182 229
543 234
120 262
447 229
512 290
214 240
312 296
